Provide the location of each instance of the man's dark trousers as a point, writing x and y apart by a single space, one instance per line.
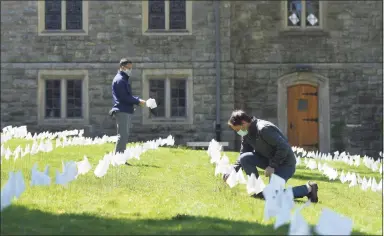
123 123
249 160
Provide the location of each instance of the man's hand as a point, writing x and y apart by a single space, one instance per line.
269 171
142 102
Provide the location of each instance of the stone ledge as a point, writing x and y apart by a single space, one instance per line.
291 32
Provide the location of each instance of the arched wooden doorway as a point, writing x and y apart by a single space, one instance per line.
303 116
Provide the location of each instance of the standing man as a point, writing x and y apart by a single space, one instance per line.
123 103
263 145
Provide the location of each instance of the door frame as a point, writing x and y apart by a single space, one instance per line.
322 83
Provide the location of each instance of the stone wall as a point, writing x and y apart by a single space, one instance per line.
114 32
348 51
352 33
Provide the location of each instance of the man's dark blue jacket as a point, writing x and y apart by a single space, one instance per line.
123 100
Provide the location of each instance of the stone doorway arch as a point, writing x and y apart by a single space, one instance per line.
323 99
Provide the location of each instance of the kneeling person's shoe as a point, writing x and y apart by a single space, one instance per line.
225 177
258 196
312 196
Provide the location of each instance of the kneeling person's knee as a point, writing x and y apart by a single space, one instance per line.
245 157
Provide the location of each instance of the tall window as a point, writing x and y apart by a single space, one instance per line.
63 17
173 95
167 16
63 96
157 91
177 97
55 100
303 14
52 99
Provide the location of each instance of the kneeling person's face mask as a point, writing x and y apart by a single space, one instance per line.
242 133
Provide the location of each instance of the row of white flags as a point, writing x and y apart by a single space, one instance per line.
47 145
21 132
351 178
279 202
352 160
16 185
65 139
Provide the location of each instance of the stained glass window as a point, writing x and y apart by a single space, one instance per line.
312 13
294 12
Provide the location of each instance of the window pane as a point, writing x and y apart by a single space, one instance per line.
74 98
178 97
312 13
156 14
52 99
302 105
177 14
53 14
157 92
74 14
294 12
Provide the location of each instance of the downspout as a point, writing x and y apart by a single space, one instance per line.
217 67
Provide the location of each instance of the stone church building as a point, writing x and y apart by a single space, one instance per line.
312 67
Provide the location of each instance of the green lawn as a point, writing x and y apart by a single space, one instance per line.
168 191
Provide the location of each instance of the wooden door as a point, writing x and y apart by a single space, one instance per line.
303 125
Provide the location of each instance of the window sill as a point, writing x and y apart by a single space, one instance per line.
63 33
304 32
63 122
174 32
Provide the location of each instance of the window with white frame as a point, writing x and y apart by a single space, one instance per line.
63 17
172 90
303 14
167 16
63 96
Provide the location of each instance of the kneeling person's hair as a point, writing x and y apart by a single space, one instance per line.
237 118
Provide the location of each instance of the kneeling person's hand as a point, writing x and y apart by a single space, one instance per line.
269 171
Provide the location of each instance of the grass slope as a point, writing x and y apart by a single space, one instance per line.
169 191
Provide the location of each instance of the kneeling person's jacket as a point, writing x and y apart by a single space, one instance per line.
265 139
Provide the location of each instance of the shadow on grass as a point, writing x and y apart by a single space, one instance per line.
313 177
145 165
18 220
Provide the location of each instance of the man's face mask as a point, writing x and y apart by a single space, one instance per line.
128 71
242 133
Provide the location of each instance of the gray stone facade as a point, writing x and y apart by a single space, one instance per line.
255 53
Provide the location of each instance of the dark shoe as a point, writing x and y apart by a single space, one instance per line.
225 177
128 164
312 196
258 196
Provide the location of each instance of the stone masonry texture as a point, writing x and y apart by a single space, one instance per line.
255 53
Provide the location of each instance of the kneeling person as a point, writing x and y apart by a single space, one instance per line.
263 145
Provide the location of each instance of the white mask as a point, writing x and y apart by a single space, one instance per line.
128 72
242 133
